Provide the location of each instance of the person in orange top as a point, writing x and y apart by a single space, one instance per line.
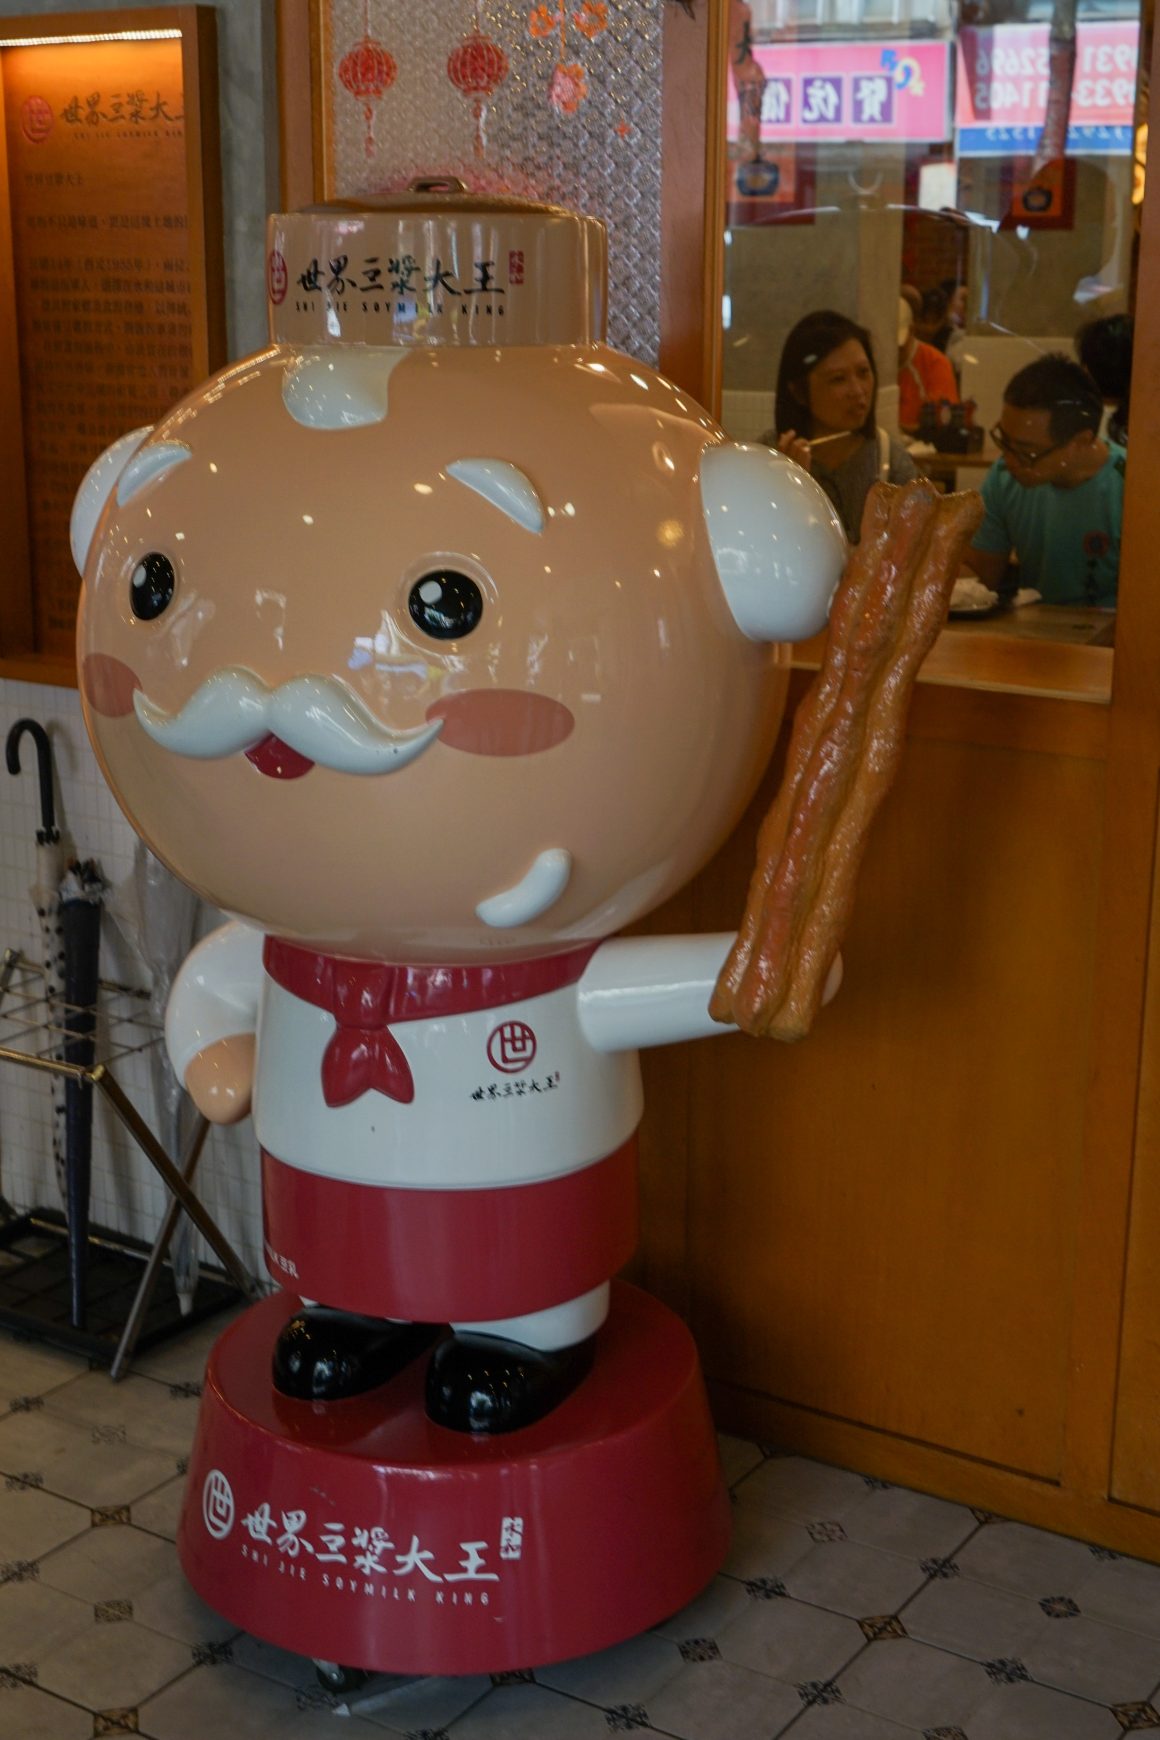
924 373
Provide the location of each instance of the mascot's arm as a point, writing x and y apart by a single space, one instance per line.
211 1020
655 990
651 990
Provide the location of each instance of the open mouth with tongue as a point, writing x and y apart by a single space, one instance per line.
277 760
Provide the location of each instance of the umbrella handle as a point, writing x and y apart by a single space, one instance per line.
48 833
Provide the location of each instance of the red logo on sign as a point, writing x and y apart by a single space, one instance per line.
276 276
511 1047
516 266
36 120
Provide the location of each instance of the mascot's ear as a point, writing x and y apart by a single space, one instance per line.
777 542
96 488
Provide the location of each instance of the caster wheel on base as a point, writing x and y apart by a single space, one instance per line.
333 1677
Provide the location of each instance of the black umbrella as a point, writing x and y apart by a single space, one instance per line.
45 892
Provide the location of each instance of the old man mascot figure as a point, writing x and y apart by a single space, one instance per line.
435 644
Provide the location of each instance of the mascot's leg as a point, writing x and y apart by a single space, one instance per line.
324 1355
500 1376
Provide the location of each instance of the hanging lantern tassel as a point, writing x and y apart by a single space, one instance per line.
477 68
366 70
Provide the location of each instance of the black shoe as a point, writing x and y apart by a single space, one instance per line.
481 1383
324 1355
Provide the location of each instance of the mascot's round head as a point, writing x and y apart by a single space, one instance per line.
439 630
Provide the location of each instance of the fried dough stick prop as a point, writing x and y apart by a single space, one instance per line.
847 740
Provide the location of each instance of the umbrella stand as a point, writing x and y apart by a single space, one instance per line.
170 1175
161 1243
35 1272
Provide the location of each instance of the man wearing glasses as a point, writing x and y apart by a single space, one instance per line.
1055 498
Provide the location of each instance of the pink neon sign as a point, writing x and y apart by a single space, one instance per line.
845 90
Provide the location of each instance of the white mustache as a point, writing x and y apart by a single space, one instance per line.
233 710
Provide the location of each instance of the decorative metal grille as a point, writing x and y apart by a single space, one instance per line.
554 102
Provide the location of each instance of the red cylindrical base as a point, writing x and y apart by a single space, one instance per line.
361 1533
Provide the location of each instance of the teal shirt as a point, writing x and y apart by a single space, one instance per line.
1067 541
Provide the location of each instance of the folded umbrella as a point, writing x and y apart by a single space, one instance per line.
81 892
45 892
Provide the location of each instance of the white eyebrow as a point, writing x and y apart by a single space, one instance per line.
148 463
342 387
505 486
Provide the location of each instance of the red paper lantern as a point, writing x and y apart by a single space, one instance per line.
476 68
367 70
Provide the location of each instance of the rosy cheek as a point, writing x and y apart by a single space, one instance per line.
108 685
501 722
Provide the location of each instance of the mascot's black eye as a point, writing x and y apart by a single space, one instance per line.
151 586
445 604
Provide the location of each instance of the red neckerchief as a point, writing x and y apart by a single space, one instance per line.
365 996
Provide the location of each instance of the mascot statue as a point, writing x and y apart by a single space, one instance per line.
436 643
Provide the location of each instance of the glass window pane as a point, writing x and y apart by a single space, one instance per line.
960 183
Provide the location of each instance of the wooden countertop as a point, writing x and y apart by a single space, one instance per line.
1073 624
1050 651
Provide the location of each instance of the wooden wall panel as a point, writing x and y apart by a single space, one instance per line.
1136 1455
1136 1463
870 1212
16 610
1122 1153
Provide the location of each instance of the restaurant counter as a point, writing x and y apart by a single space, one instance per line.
1046 650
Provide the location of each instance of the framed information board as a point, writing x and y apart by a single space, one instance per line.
111 287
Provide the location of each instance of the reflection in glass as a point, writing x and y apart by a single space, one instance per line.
962 183
826 417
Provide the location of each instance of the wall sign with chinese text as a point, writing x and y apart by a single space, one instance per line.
111 206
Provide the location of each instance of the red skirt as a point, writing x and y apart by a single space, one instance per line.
439 1256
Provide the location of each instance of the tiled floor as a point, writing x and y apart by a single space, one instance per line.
848 1609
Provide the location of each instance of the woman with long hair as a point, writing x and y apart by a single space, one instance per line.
825 414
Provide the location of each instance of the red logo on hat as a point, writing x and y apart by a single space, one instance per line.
277 277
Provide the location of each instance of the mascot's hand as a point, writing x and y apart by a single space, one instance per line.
220 1079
